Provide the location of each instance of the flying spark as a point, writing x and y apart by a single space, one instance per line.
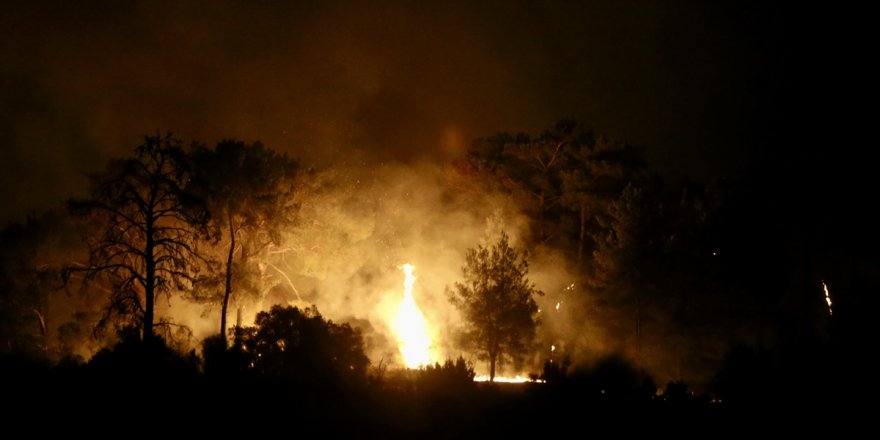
827 298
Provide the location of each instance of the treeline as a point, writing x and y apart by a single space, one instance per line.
164 222
672 275
651 263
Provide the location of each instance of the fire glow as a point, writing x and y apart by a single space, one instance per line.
410 327
515 379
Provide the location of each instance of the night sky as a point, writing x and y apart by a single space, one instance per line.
697 84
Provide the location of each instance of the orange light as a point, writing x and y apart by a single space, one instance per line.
413 339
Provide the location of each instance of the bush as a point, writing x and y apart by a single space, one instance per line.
300 345
555 372
451 376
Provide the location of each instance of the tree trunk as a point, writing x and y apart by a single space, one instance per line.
228 290
492 368
149 283
493 357
44 332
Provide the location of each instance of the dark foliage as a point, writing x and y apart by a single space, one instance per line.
301 346
149 359
555 372
450 377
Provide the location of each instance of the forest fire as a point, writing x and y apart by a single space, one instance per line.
210 209
410 327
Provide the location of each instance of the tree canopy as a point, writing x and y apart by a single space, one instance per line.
295 344
249 191
497 302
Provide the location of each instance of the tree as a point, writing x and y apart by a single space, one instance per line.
146 243
619 258
31 256
497 301
249 190
527 166
301 345
597 170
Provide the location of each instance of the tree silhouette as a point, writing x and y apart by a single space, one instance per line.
249 190
497 301
565 169
450 377
527 166
31 257
595 173
146 245
299 344
554 372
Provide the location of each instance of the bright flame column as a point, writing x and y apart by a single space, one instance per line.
409 325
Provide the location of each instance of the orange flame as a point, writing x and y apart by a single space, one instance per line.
413 339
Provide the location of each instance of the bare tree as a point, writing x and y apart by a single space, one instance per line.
146 244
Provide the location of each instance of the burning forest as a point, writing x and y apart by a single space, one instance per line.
256 264
437 221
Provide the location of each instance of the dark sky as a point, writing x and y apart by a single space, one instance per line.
696 83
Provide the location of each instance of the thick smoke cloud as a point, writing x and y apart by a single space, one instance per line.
80 83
